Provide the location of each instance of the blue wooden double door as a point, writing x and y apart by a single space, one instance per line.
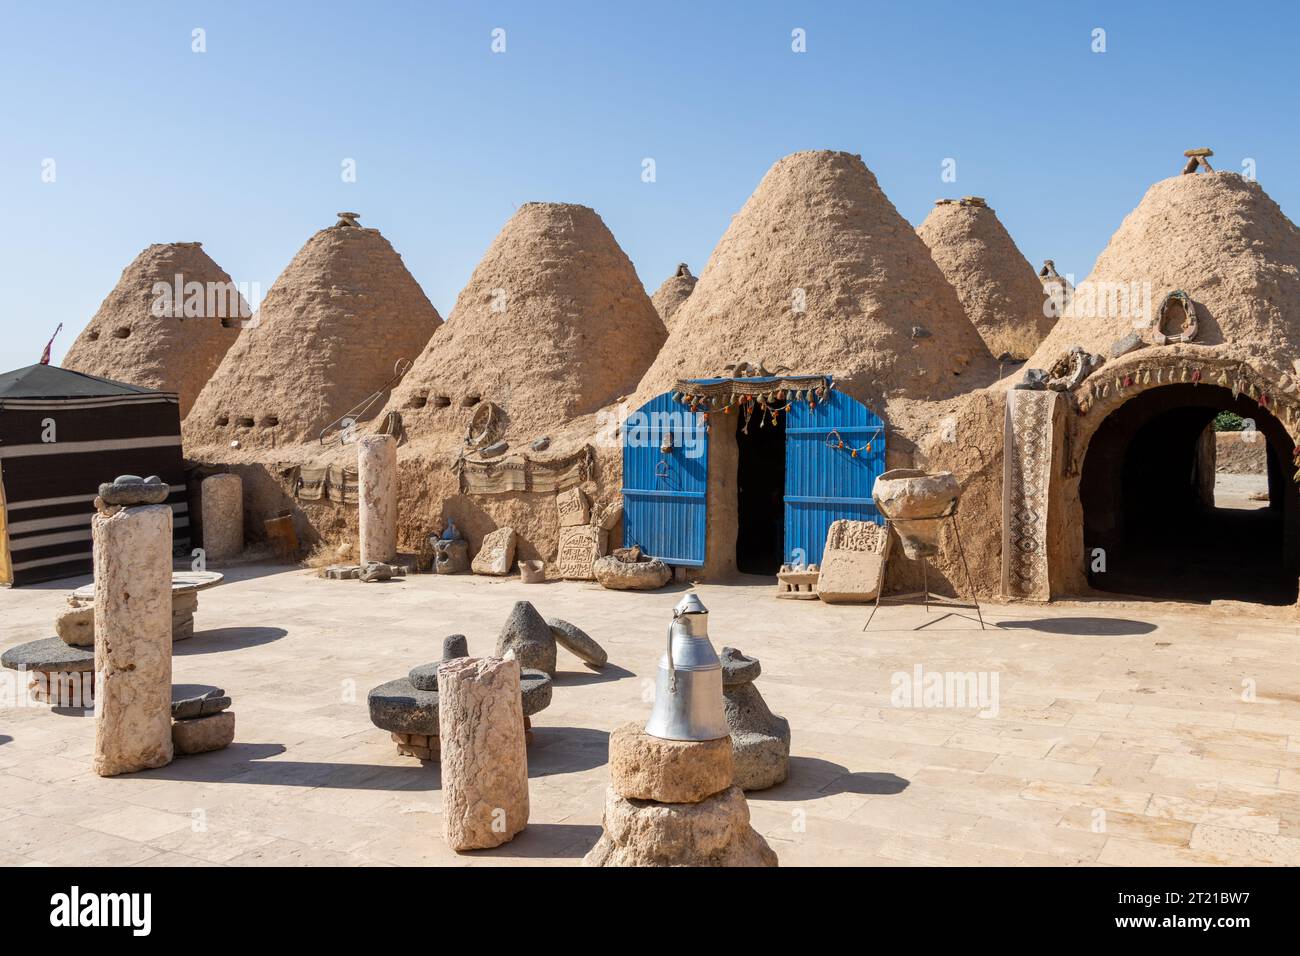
816 465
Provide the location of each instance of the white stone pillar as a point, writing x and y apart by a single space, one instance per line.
377 477
223 516
484 761
133 639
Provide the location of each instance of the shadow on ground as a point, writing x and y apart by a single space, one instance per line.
566 750
5 739
227 639
567 841
1094 626
609 672
812 777
554 750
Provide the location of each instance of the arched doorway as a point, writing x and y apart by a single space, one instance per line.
1152 524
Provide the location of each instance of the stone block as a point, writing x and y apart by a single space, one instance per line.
484 755
202 734
667 771
497 555
222 498
75 626
713 832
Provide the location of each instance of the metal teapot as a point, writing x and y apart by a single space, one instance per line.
688 687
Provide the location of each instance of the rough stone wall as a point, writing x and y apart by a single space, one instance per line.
137 335
997 286
328 335
1234 455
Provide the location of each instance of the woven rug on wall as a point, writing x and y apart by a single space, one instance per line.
1026 483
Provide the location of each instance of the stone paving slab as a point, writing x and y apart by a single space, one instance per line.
1121 735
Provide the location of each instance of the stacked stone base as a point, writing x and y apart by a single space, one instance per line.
420 746
672 803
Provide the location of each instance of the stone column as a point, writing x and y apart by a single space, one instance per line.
377 476
223 516
133 639
484 761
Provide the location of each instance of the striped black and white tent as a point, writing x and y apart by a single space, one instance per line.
61 434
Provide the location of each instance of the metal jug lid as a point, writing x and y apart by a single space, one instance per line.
690 604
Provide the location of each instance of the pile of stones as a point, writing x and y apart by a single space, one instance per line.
760 740
532 640
674 803
201 719
408 707
368 572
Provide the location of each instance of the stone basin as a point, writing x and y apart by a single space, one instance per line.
916 502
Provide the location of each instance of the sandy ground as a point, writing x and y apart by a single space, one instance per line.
1235 491
1120 736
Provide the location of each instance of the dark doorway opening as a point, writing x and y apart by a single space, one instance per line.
760 482
1152 526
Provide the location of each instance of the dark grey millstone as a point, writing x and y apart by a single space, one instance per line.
528 635
1035 380
454 646
737 668
578 642
494 449
49 654
126 490
424 676
197 700
400 708
541 444
535 686
1129 343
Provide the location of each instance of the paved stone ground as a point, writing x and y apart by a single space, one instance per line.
1121 735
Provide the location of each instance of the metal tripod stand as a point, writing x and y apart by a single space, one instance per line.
952 605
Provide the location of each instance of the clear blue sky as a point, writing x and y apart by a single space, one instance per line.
241 147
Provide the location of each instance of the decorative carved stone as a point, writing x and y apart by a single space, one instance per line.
573 507
579 547
852 562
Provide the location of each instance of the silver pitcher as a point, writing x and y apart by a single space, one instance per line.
688 688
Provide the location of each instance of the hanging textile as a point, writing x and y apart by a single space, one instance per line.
519 473
721 392
337 483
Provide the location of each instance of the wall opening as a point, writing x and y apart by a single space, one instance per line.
1155 523
760 486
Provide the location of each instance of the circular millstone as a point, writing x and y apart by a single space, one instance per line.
536 689
134 490
737 668
197 700
49 654
577 642
424 677
399 707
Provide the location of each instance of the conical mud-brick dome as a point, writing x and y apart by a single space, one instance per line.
1217 237
166 324
328 335
554 324
995 283
819 274
677 288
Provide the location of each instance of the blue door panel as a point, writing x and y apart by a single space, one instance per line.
665 493
823 481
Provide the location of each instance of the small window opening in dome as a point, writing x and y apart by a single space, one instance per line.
121 332
244 421
469 401
223 421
